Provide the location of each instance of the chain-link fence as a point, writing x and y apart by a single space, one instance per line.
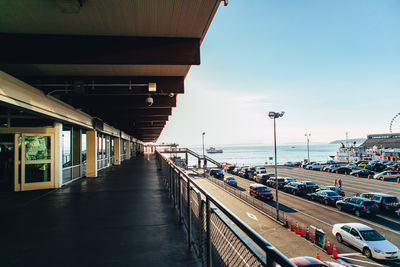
217 236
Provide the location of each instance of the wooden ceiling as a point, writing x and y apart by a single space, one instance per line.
99 56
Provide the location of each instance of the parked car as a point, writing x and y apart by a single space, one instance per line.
385 202
261 178
272 180
261 170
388 175
351 166
295 188
306 261
397 212
317 167
358 205
338 190
305 164
367 240
230 181
236 170
260 191
342 170
327 197
229 169
297 163
331 167
377 167
289 180
362 173
310 186
361 163
217 173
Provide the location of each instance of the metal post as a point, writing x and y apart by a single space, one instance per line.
208 239
189 210
179 199
276 177
174 186
308 146
204 159
201 230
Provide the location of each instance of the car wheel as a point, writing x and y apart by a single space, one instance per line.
357 212
339 238
367 252
326 202
312 198
339 207
294 192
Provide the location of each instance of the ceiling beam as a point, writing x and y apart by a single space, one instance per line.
99 103
133 112
107 85
108 50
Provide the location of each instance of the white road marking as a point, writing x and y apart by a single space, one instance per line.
368 262
252 216
350 254
230 244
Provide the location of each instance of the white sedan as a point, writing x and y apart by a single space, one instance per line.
366 239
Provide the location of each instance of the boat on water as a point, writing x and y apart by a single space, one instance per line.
213 150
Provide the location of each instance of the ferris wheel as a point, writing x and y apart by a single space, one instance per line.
395 124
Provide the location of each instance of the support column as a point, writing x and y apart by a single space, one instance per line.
186 159
117 148
58 128
91 156
128 149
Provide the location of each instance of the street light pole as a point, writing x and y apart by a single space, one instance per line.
275 115
204 159
308 146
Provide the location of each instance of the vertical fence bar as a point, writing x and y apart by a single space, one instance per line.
174 186
208 223
201 229
179 198
189 215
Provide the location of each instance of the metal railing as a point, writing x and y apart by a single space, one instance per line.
122 157
218 236
72 173
102 163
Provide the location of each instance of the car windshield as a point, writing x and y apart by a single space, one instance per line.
218 172
230 179
371 235
263 189
331 194
310 183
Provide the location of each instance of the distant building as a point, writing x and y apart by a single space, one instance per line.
383 146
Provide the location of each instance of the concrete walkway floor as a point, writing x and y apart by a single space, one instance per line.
122 218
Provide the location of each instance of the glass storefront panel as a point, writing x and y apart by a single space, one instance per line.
37 172
66 147
37 147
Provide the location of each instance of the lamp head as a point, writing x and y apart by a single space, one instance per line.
204 133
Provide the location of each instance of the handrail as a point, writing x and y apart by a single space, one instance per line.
191 152
271 252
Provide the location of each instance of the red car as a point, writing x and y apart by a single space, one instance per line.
306 261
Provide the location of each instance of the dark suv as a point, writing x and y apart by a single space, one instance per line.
217 173
358 205
310 186
295 188
385 202
260 191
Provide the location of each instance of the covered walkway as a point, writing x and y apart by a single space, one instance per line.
122 218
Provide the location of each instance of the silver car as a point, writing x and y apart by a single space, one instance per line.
366 239
387 175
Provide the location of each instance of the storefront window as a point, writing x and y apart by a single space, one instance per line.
84 146
66 147
37 148
36 173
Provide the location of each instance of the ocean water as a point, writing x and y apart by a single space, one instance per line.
258 155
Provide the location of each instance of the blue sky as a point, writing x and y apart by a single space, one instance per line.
332 66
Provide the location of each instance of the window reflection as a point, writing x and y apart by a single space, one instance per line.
37 148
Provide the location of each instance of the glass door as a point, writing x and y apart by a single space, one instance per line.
37 161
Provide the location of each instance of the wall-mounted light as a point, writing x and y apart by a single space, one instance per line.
152 87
